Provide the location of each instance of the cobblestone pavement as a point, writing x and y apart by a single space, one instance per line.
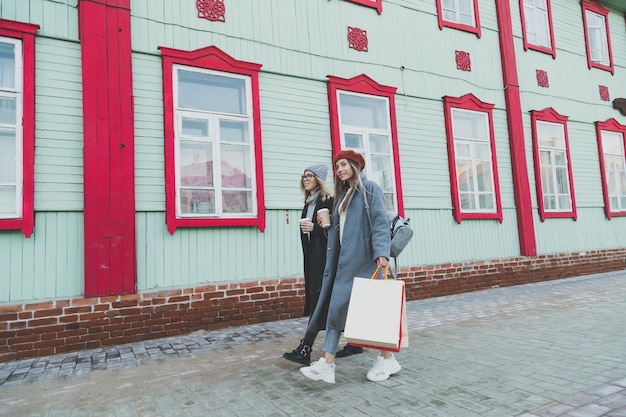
538 350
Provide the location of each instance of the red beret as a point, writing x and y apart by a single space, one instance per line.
351 155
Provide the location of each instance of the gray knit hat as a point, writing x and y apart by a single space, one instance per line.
319 170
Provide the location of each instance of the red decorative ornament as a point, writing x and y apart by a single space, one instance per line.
463 61
542 79
213 10
604 93
357 39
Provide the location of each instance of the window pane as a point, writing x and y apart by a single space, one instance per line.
562 181
195 127
463 151
549 202
210 92
236 169
466 12
470 125
237 202
7 110
612 143
379 144
483 152
486 201
7 65
7 199
467 201
550 135
547 180
483 176
353 141
196 164
560 159
363 111
234 131
544 157
197 201
380 172
464 175
565 202
7 156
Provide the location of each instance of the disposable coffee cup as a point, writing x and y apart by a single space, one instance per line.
304 220
325 216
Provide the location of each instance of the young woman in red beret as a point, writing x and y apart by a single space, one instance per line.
356 248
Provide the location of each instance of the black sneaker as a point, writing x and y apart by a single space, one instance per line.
349 350
301 354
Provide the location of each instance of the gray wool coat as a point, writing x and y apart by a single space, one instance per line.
354 257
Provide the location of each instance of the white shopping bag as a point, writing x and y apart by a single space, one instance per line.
377 314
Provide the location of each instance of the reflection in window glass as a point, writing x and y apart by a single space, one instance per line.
215 148
598 42
474 168
365 128
459 11
358 110
7 65
537 23
211 92
614 164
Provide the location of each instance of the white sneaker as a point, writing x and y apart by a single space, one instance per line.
320 370
383 369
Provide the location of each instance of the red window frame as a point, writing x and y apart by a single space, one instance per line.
211 58
550 115
365 85
26 33
611 125
375 4
527 44
594 6
470 102
467 28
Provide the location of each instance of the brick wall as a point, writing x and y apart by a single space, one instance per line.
58 326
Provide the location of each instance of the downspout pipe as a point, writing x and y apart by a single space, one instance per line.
515 124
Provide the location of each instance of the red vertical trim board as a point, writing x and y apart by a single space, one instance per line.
521 185
110 248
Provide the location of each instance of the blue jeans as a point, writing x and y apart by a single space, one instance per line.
331 341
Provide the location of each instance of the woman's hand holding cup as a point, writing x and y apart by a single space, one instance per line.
323 217
306 225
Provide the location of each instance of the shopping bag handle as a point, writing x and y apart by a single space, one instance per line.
385 273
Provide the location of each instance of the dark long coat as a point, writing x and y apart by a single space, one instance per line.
354 257
314 251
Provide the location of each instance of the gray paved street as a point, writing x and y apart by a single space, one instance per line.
539 350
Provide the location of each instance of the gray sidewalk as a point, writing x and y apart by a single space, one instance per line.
548 349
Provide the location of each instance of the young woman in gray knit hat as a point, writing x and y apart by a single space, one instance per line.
314 238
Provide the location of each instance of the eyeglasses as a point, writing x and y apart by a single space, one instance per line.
308 177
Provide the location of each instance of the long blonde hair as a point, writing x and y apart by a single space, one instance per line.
341 186
321 185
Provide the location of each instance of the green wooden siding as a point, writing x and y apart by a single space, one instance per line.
47 265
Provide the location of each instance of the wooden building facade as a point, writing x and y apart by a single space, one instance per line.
151 151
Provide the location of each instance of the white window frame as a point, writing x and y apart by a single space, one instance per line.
536 15
15 93
475 194
213 119
553 167
597 23
457 12
617 173
391 195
